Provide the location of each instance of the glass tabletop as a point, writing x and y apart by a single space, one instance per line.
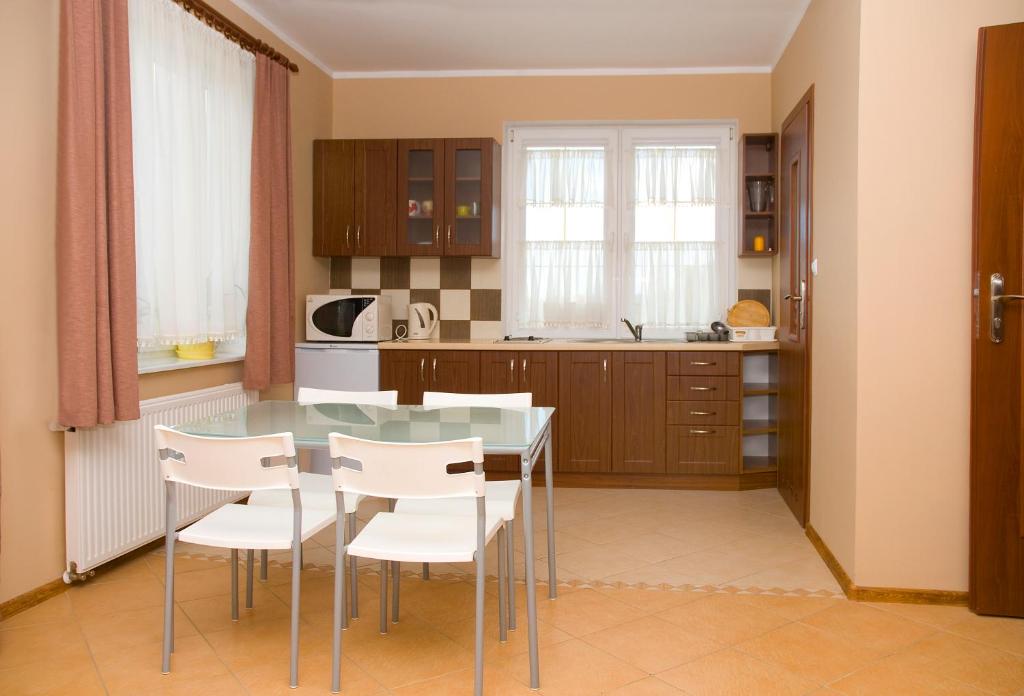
502 430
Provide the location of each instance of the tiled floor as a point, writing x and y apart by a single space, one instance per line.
697 634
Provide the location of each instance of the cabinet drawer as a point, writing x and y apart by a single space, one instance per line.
694 449
703 413
703 388
719 362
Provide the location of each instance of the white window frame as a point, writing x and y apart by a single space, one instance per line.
619 139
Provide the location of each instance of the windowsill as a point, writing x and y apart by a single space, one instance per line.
166 362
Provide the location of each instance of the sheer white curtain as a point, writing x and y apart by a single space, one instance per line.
192 110
672 259
564 251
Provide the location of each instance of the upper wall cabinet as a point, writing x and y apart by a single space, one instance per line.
354 187
434 197
449 194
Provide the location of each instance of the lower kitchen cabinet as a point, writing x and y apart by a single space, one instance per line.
455 371
585 402
638 412
703 449
508 372
413 372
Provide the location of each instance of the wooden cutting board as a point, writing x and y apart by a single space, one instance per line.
748 313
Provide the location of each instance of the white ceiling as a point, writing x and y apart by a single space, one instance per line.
365 38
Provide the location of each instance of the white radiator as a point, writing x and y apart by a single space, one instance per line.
114 495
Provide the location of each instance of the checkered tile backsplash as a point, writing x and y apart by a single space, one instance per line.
466 291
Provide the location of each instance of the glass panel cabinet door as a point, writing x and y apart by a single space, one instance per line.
420 197
469 204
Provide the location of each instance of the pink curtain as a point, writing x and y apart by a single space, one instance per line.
270 318
98 372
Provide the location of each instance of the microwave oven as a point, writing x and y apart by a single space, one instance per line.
337 318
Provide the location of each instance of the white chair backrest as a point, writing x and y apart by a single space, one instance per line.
309 395
226 463
413 470
437 399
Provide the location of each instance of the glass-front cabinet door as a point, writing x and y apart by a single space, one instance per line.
421 196
469 193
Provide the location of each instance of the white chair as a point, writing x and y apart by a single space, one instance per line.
316 490
236 464
502 496
414 471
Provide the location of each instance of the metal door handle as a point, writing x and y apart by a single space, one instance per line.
348 242
703 413
524 369
703 364
433 370
996 285
512 370
423 366
604 366
799 298
359 242
795 298
437 235
701 432
449 235
703 388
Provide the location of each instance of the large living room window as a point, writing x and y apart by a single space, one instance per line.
610 222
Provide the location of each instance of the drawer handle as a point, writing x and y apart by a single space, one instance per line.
703 388
701 432
701 363
703 413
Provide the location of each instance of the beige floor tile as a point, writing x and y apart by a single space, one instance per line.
210 614
732 672
899 675
970 662
650 601
463 632
74 676
869 627
105 598
652 644
651 686
596 563
723 618
651 575
119 571
583 612
41 642
55 609
935 615
809 652
272 677
497 682
1004 633
710 567
576 668
792 608
806 574
110 634
136 669
247 645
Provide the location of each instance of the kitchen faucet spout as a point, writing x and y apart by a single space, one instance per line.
637 331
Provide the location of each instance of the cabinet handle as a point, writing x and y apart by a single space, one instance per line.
423 366
703 388
702 364
359 242
694 431
524 369
703 413
604 366
433 370
512 370
449 235
348 228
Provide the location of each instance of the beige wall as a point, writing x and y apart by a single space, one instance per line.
824 52
917 79
31 457
475 107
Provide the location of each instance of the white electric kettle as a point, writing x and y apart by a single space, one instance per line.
422 320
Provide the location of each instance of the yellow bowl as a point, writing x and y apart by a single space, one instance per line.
196 351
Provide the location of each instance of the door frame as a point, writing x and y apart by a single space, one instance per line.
808 99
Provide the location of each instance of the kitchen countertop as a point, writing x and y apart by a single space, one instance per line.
556 344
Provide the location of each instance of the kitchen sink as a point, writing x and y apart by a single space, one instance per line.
626 340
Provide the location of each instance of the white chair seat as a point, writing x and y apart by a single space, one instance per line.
391 536
501 499
316 490
254 527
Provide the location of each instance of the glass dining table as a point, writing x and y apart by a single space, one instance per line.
521 432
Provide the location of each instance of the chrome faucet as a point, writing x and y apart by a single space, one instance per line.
637 331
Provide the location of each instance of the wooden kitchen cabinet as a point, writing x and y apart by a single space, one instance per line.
703 449
638 412
413 372
455 371
354 188
585 402
421 178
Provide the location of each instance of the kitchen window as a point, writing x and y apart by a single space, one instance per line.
611 222
192 112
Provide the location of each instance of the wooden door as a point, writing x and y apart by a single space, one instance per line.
455 371
997 360
470 209
375 183
499 372
421 196
406 371
538 374
333 197
638 412
584 397
795 312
